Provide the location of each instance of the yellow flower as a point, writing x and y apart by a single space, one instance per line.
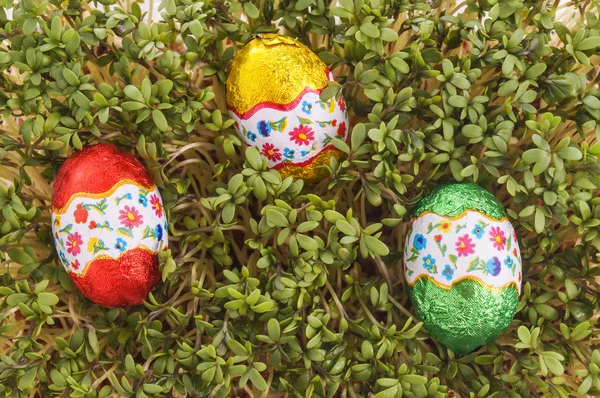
57 221
92 244
445 226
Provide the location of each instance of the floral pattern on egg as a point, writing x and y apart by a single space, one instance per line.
277 106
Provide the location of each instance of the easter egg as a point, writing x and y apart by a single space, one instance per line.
109 225
273 94
463 266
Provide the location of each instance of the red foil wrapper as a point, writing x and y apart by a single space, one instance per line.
109 225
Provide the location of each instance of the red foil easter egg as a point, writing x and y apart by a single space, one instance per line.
109 224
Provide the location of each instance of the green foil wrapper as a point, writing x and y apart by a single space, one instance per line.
470 314
467 316
454 199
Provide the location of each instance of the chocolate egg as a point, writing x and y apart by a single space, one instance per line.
463 264
273 94
109 224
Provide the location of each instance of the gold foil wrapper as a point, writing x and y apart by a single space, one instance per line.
313 172
274 69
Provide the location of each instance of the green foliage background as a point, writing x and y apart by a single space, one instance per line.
273 285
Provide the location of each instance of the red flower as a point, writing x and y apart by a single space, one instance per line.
73 243
75 264
341 132
515 252
438 238
81 214
271 152
302 135
92 224
497 236
465 246
334 122
342 104
156 205
130 217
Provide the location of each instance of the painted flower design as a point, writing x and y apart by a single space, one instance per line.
91 246
156 205
143 200
445 226
121 245
493 266
448 272
271 152
81 214
74 243
306 107
57 221
302 135
92 224
130 217
479 231
341 131
465 246
498 238
342 104
419 242
251 136
437 238
515 251
75 265
158 231
289 153
264 128
429 263
63 258
509 262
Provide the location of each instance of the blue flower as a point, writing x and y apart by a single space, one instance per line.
143 200
509 262
289 153
251 136
264 128
306 107
479 231
63 259
493 266
121 245
159 232
448 272
420 242
428 262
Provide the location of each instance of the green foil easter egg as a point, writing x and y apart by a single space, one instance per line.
463 265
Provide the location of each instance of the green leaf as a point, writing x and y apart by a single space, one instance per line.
257 380
134 93
160 120
277 219
370 30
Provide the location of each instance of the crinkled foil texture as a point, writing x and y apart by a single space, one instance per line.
467 316
274 69
454 199
121 282
314 171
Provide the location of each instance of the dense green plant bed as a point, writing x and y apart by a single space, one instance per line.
265 290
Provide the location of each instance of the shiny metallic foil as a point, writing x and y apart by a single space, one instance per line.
314 171
275 69
121 282
470 313
454 199
467 316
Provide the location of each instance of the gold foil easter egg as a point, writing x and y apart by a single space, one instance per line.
273 93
